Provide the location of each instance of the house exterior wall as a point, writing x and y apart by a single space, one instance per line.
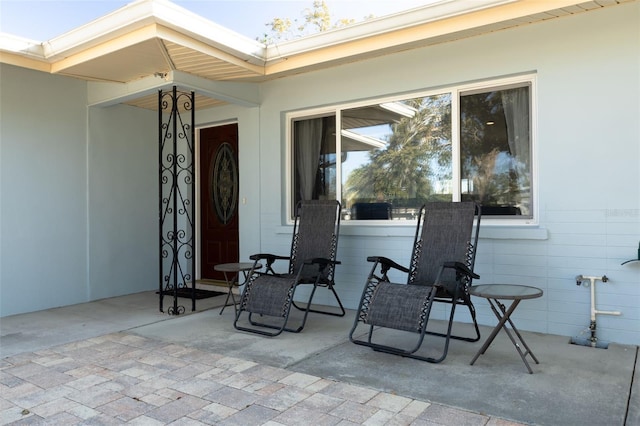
123 201
78 198
79 185
43 220
588 164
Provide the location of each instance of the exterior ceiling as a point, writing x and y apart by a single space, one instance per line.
123 65
126 49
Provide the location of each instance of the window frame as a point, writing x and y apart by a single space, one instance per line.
456 91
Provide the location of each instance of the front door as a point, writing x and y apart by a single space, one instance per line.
219 240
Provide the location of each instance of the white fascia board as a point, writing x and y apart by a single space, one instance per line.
124 20
179 19
107 94
141 13
373 27
21 46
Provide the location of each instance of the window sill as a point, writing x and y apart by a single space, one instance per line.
379 229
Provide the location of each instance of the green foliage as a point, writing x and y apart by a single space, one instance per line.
313 20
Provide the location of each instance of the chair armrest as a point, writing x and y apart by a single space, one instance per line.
461 268
386 263
268 257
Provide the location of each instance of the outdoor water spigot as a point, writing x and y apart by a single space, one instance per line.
589 280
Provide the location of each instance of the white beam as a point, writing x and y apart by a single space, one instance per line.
106 94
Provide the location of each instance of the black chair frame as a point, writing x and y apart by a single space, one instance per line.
421 295
317 271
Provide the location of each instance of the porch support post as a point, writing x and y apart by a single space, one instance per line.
176 182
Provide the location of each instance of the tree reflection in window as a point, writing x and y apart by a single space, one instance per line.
399 153
396 155
495 150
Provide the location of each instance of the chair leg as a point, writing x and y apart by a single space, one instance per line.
280 328
448 335
260 330
411 352
383 348
325 312
258 327
472 312
257 330
407 353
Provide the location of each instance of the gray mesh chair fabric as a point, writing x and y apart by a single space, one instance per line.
440 270
270 295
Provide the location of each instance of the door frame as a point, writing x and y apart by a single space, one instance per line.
198 272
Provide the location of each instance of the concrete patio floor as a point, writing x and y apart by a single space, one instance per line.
121 361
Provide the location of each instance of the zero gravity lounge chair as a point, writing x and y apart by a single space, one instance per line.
268 296
441 270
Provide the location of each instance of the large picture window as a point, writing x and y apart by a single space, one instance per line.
384 159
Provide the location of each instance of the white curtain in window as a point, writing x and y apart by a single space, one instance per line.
308 145
515 103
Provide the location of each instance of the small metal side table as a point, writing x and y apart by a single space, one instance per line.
231 273
496 292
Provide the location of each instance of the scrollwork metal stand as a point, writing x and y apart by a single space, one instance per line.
176 116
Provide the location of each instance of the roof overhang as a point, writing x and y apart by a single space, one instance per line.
125 49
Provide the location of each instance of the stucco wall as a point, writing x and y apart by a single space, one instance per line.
588 163
43 219
123 201
79 195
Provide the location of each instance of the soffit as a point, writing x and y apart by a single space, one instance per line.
152 50
155 56
121 65
206 65
508 14
154 45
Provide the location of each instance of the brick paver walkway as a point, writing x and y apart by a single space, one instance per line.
122 378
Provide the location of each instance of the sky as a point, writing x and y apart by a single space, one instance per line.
42 20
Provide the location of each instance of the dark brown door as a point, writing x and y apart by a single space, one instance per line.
219 177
